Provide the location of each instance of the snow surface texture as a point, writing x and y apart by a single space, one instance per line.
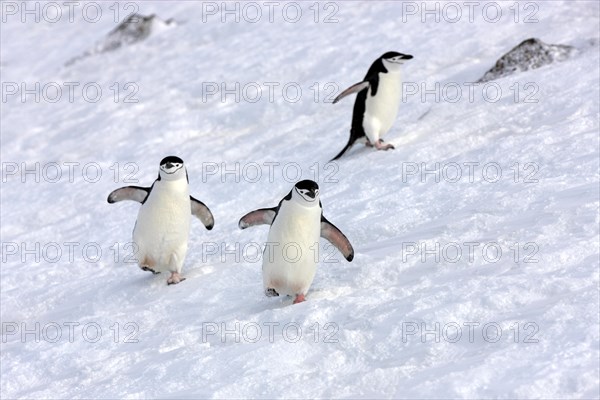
371 313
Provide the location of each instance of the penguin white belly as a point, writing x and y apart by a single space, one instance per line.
162 228
290 265
381 110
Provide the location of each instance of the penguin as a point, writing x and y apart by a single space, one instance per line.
377 102
163 223
289 258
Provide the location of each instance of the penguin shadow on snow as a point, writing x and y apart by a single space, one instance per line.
331 293
282 302
144 281
314 296
195 273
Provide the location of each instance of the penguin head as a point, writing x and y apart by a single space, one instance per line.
306 192
392 60
171 168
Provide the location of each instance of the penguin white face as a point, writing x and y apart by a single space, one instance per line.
393 60
171 168
306 191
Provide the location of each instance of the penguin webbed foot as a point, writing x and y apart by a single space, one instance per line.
299 299
379 145
148 269
175 278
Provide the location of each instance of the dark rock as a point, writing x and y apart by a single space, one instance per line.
530 54
132 30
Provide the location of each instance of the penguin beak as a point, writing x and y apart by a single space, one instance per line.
169 165
311 194
400 59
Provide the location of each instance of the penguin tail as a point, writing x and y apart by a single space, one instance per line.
346 148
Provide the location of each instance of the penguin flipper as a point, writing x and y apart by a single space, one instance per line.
134 193
262 216
336 238
357 87
200 211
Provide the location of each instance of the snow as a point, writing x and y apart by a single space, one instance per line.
364 325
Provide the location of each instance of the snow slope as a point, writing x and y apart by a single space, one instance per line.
528 317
